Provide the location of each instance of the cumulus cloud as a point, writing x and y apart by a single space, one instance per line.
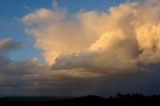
112 42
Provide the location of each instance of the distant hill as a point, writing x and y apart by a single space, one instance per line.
118 100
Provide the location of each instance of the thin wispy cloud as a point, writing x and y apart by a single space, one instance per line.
27 8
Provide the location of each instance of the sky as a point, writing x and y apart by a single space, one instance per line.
79 47
13 11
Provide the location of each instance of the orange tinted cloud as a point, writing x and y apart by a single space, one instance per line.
112 42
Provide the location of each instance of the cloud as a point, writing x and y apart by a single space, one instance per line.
6 45
127 35
88 52
27 7
28 77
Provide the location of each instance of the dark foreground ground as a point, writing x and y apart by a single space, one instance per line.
119 100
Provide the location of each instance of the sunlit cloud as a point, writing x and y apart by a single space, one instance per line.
128 35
